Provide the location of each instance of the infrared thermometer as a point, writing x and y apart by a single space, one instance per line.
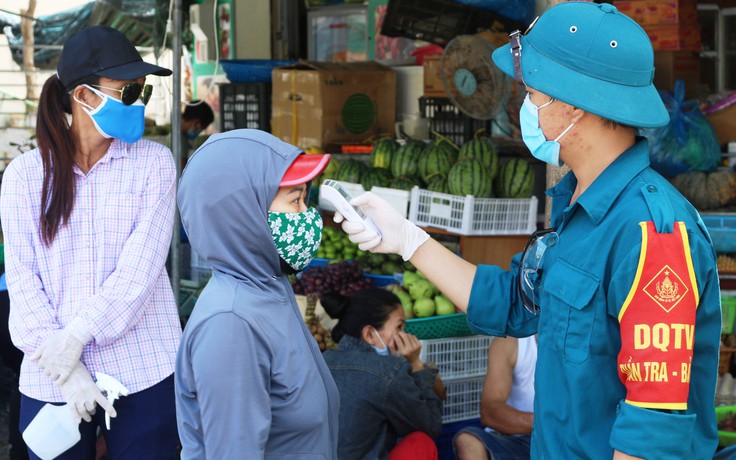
340 198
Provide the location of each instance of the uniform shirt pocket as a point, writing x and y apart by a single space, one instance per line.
572 293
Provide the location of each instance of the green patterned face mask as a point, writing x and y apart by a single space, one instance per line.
297 235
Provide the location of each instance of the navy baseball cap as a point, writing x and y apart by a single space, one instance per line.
592 57
104 52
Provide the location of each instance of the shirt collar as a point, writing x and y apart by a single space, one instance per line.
601 194
348 342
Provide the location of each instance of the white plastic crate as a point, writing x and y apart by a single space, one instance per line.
353 189
469 215
399 199
463 399
458 357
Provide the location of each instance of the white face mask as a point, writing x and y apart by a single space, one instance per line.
381 351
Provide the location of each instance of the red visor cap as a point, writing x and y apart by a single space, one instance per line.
304 168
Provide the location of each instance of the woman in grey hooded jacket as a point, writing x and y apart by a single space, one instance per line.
250 380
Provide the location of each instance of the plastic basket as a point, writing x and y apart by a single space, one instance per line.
473 216
399 199
439 327
251 70
463 399
447 120
353 189
725 438
728 311
458 357
245 105
722 230
438 21
449 430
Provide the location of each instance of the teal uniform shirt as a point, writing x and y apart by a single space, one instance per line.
580 410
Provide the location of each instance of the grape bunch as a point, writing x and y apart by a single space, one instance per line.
342 277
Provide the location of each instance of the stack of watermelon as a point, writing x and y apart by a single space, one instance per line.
440 166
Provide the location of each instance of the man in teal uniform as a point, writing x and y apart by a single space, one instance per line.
623 289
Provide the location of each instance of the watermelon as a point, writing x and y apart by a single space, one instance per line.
376 177
449 147
516 179
403 183
470 177
382 152
404 161
434 159
351 171
438 184
483 150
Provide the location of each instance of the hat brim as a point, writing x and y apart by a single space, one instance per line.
133 70
637 106
304 168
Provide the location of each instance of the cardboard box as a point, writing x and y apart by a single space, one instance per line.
674 37
724 123
653 12
320 103
677 65
432 82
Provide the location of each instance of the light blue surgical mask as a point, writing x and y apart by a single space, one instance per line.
193 133
113 119
531 133
381 351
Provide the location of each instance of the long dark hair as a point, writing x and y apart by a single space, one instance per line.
367 307
57 146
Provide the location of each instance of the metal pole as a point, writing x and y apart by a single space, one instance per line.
176 144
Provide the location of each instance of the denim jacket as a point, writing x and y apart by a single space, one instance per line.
380 399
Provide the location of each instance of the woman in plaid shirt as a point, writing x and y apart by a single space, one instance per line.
87 220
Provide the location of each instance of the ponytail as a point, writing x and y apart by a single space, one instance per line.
57 146
367 307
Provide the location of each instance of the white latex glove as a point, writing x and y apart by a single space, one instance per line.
58 355
82 395
398 234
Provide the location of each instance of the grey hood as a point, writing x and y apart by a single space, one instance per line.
224 195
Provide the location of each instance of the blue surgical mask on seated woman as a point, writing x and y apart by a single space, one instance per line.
381 351
113 119
297 236
533 136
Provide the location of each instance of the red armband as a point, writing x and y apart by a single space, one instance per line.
657 322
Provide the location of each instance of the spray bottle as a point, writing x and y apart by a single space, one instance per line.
54 430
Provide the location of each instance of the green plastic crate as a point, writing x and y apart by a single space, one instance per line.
725 438
439 327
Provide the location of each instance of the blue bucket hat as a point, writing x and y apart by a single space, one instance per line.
592 57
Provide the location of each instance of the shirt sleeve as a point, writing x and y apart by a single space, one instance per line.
235 421
648 432
119 303
495 306
32 317
412 404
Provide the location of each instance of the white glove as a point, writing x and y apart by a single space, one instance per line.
82 395
398 235
58 355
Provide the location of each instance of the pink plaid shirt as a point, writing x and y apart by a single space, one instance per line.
105 268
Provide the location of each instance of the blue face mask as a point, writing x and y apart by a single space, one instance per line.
193 133
113 119
531 133
381 351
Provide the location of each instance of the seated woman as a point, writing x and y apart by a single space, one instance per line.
386 391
